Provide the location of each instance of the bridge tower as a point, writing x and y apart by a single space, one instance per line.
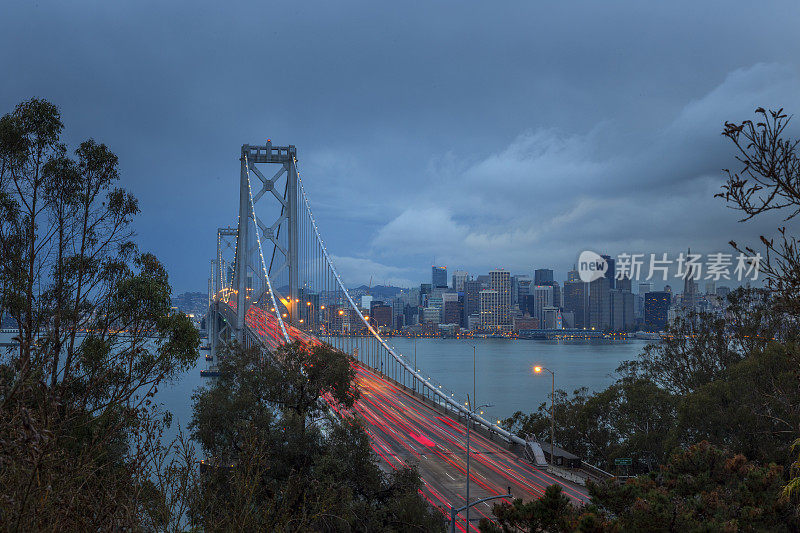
285 251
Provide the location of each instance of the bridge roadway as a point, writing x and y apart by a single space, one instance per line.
405 431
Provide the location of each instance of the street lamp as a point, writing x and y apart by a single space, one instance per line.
416 369
474 358
471 412
538 370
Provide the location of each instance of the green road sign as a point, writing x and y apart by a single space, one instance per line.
623 461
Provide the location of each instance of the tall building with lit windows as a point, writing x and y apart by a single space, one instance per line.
500 281
488 309
656 309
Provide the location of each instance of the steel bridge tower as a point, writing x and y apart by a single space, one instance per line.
285 157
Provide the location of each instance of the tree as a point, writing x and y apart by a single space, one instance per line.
280 460
79 433
631 418
769 180
700 489
552 513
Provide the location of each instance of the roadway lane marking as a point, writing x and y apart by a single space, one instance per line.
451 477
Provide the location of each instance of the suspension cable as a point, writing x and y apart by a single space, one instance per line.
426 382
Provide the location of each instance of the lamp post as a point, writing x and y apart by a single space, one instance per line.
471 411
416 369
474 357
538 370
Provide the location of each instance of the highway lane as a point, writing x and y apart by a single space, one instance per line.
406 431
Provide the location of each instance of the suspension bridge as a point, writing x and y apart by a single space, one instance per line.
273 281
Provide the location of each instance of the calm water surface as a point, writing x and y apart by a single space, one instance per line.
504 375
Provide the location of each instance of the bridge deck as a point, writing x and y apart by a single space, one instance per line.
406 431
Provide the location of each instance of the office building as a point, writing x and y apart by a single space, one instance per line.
366 301
459 277
472 302
599 306
622 310
573 275
451 312
656 309
438 276
542 276
542 297
611 273
430 315
381 315
576 301
490 303
523 287
500 281
551 318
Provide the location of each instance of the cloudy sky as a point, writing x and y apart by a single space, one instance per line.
475 134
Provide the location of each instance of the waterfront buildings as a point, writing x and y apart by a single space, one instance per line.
502 303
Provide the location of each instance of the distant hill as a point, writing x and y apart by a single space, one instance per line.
379 292
191 303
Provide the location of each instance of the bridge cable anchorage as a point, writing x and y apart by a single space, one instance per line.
399 359
261 253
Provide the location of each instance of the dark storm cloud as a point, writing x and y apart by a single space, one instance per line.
484 134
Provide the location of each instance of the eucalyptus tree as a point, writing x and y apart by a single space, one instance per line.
78 426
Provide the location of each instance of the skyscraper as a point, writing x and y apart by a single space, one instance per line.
472 302
489 307
644 288
576 301
451 312
542 297
573 275
611 273
542 275
656 309
500 281
438 276
599 306
523 287
622 309
459 277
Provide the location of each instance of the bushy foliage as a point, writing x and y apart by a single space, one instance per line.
280 460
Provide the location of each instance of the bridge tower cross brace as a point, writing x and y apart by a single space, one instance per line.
285 157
